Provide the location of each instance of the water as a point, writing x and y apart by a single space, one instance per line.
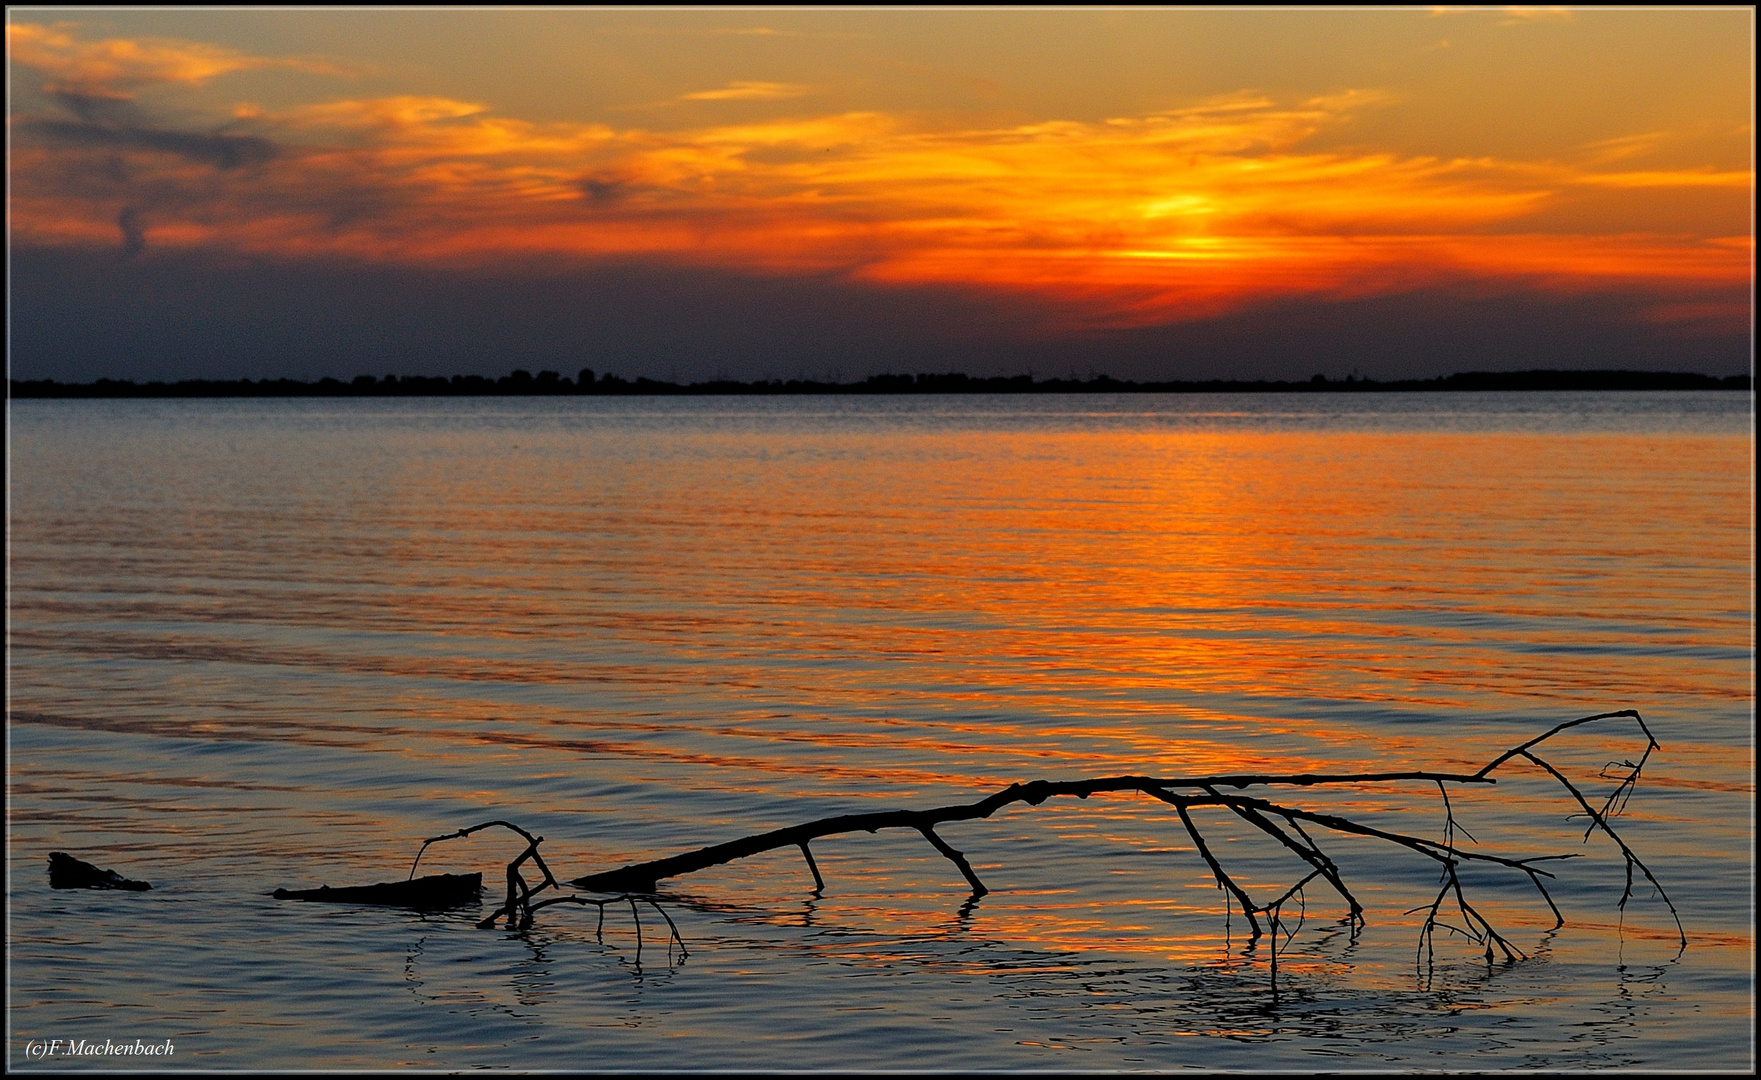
278 643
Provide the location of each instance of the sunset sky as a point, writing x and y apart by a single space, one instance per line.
782 193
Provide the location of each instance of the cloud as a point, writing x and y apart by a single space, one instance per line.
1514 15
134 236
219 150
1520 16
1342 103
1621 147
749 91
1666 178
605 188
115 66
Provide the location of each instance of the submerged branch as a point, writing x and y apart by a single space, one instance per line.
641 877
636 881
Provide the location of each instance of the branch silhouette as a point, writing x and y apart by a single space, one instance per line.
636 882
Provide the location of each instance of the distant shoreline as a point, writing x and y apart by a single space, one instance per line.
549 383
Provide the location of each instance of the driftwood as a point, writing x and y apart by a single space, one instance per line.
67 872
434 893
1282 822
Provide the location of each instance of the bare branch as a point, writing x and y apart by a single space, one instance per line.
635 883
641 877
1223 879
807 853
1309 853
1632 860
956 858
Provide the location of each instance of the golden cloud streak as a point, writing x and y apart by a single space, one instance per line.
1662 178
114 66
748 91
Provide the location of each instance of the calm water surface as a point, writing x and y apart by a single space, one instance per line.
277 643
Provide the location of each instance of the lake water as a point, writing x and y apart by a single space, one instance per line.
256 644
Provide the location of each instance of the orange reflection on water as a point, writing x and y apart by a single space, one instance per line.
1070 599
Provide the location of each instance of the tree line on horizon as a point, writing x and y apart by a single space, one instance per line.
521 382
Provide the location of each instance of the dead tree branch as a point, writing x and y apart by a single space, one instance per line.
1282 823
641 877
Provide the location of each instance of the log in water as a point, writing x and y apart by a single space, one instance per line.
434 892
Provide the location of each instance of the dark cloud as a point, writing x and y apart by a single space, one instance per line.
98 108
225 152
78 316
603 189
120 125
134 235
115 169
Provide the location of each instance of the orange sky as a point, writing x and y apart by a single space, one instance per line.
1166 166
